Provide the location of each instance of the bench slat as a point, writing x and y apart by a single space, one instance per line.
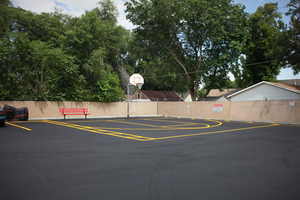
73 111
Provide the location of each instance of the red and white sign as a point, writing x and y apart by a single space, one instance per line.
217 108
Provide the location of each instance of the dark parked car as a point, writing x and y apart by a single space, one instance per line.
2 117
13 113
9 113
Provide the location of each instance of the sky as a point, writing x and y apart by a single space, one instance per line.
71 7
78 7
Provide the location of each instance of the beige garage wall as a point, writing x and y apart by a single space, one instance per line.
50 110
260 111
206 110
137 109
266 111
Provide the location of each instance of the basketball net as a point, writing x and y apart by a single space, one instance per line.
139 85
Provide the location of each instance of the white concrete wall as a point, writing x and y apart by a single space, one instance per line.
266 92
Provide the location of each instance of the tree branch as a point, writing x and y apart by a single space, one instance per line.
180 64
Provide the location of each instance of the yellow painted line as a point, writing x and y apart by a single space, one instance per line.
178 123
156 128
195 134
161 128
100 131
114 132
30 121
215 132
165 120
142 138
217 123
137 123
188 124
95 120
105 132
131 123
18 126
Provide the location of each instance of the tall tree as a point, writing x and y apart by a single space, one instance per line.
200 38
5 16
107 11
33 70
95 34
264 51
294 35
52 56
158 71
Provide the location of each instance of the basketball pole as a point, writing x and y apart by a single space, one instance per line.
128 101
137 80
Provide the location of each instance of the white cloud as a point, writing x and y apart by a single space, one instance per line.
35 6
72 7
78 7
287 73
122 15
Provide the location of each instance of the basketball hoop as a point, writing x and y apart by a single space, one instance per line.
136 80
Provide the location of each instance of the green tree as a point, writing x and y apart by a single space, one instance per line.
98 45
107 11
109 88
5 16
52 56
47 27
264 52
91 32
293 43
102 81
200 38
33 70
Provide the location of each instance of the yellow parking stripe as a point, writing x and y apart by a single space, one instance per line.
18 126
24 122
214 132
143 138
100 131
107 131
161 128
157 128
173 121
131 123
178 123
29 121
86 128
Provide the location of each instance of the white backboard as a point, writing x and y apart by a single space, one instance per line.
136 79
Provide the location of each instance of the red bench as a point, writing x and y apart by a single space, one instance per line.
74 111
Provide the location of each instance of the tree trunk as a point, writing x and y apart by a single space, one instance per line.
207 90
192 92
193 88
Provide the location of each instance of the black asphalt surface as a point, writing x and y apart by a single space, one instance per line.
53 162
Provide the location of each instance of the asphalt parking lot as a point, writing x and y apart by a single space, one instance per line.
149 158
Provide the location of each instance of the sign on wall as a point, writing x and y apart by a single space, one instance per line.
218 108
